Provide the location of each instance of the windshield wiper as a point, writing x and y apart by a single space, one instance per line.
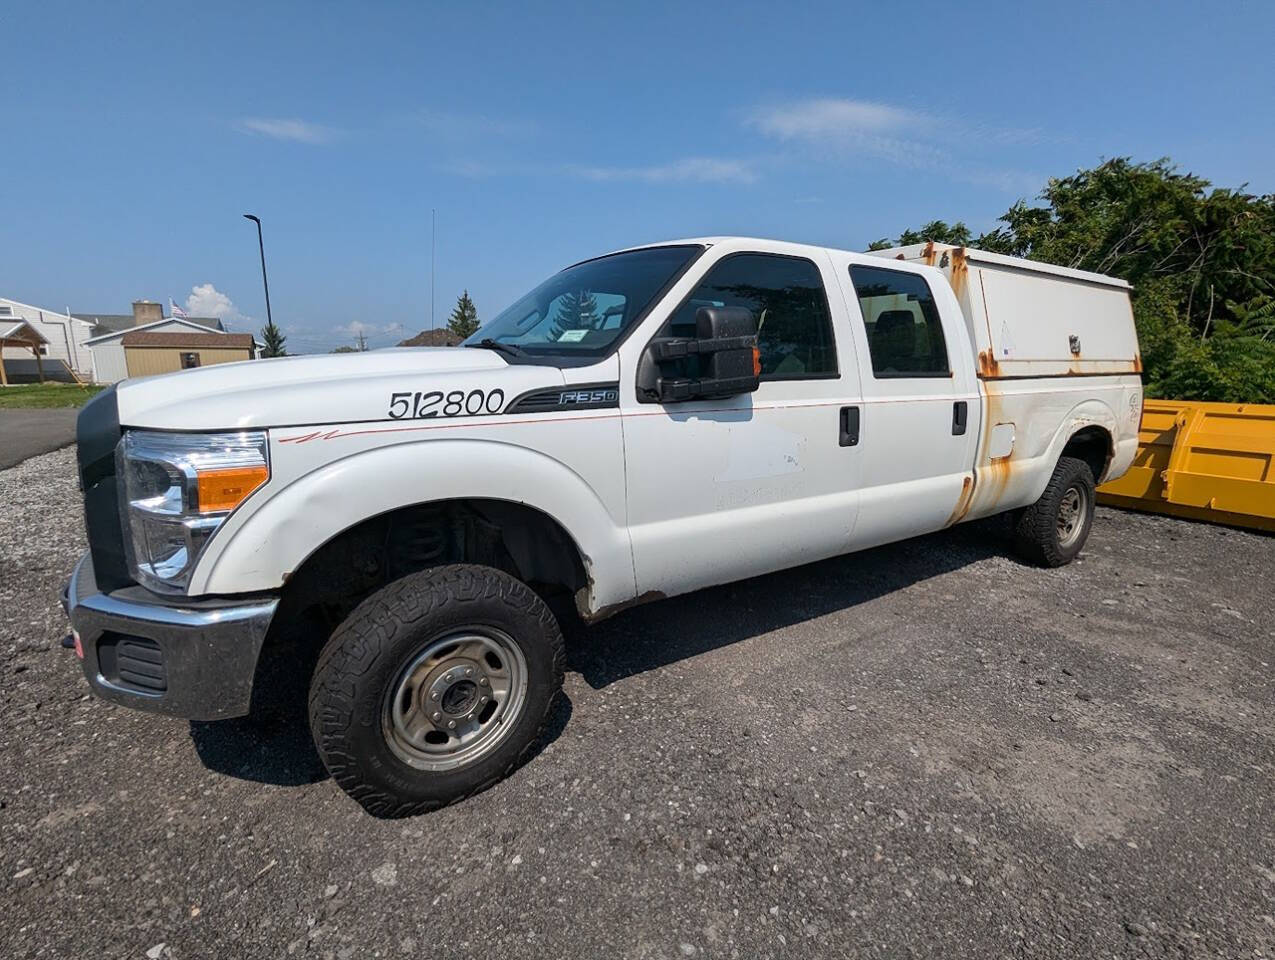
487 343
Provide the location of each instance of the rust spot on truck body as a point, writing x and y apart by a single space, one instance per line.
962 502
987 365
928 253
1137 363
991 474
612 609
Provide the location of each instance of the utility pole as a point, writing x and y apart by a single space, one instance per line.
360 339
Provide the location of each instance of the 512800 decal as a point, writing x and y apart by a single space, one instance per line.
435 403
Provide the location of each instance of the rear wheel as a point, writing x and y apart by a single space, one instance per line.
434 688
1053 530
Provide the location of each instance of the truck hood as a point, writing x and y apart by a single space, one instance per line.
323 389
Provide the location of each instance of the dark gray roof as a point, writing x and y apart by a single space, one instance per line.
105 323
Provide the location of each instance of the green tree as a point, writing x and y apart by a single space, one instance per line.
1201 261
577 310
464 319
345 348
274 340
940 232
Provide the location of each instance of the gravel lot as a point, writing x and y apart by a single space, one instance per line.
925 750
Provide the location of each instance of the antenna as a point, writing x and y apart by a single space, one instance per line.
433 244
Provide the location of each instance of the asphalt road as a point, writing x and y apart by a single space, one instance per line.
29 433
925 750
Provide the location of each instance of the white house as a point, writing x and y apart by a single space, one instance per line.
66 337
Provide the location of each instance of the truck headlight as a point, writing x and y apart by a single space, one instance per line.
176 489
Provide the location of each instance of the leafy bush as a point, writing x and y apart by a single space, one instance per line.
1201 261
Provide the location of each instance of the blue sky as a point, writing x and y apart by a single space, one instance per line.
135 136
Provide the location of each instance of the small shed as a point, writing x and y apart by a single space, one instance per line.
150 352
22 334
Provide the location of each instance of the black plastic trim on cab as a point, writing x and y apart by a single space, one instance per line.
97 433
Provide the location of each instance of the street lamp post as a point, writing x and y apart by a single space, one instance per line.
262 246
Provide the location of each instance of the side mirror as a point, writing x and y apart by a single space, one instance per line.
729 362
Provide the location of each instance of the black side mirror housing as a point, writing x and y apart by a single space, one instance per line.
729 363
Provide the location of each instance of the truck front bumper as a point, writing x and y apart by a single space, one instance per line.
188 658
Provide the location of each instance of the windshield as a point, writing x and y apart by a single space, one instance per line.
584 309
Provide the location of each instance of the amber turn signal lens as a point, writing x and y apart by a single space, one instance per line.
756 362
225 489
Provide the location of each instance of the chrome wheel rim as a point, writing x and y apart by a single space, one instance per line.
456 700
1072 512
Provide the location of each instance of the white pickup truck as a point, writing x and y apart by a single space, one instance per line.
640 425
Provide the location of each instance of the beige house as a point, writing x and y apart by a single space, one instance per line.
149 352
106 345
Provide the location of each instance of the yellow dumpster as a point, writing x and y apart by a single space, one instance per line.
1204 461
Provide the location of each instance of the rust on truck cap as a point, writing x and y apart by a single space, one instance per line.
960 270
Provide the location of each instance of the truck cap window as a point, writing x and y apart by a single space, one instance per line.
905 335
584 310
786 297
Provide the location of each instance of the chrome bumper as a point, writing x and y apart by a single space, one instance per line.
193 659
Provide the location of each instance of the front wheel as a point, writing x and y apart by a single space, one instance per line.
1052 531
435 688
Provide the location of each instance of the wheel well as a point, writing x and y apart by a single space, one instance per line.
1093 446
515 538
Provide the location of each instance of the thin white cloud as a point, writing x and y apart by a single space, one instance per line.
293 130
888 132
206 300
838 128
687 170
825 118
355 328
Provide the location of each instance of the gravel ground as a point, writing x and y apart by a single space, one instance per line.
924 750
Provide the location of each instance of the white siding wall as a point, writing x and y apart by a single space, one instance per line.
66 335
109 362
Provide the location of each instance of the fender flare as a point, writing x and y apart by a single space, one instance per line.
258 550
1088 413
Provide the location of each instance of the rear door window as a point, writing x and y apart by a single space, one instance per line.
905 333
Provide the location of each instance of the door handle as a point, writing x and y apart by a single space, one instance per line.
960 417
849 433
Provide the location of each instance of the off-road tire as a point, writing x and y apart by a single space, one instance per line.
369 650
1036 528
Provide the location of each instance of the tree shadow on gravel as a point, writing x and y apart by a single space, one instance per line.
272 743
658 634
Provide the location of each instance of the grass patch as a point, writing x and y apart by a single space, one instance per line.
29 396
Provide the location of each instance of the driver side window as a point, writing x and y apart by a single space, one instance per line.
787 299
